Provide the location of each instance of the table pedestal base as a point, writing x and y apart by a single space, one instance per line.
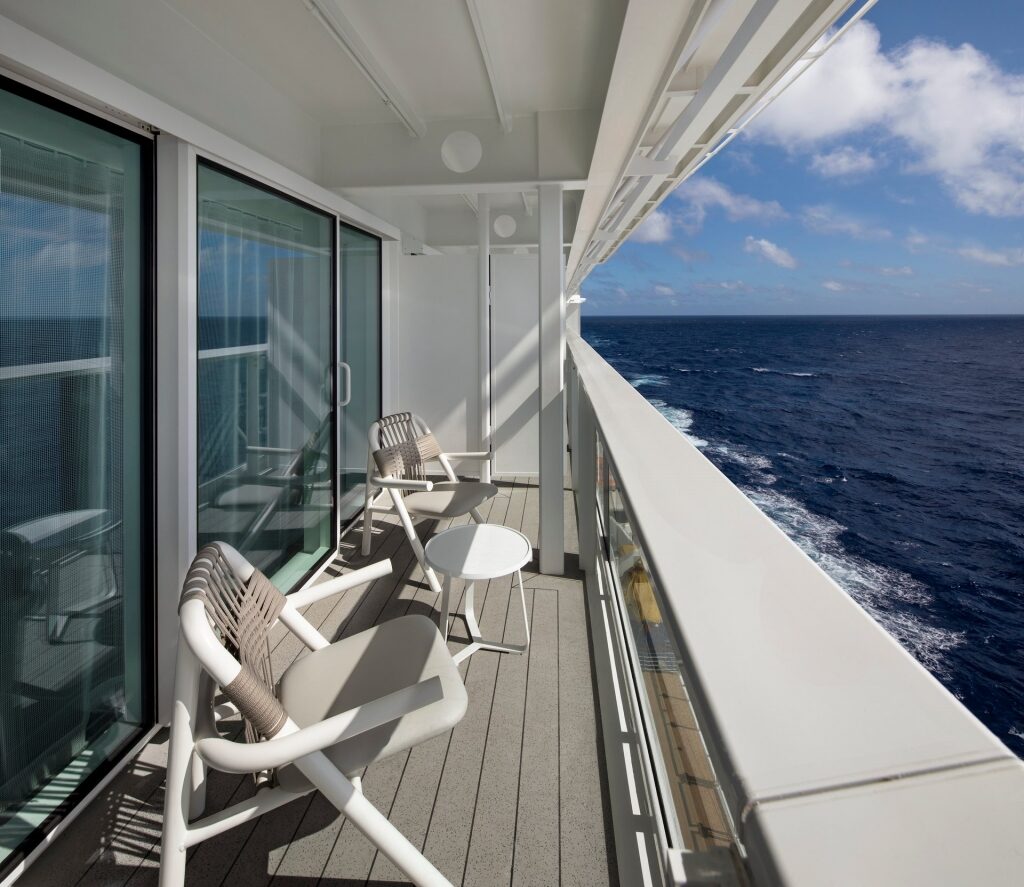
477 642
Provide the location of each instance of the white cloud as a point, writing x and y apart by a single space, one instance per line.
770 251
700 194
825 219
916 241
901 271
656 228
833 286
954 107
1001 258
843 163
661 290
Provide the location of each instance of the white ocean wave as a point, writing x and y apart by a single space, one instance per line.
783 372
751 461
640 381
680 419
874 587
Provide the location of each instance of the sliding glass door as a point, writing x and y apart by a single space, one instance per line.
266 398
74 586
359 347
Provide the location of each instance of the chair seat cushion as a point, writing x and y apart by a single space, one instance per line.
364 667
250 496
449 499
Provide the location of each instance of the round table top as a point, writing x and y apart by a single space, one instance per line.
478 551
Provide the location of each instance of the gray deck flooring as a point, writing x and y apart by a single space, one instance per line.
513 795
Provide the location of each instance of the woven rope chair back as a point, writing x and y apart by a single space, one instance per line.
406 446
242 614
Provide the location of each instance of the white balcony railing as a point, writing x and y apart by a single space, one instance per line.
836 757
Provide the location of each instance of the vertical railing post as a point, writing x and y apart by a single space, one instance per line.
551 540
585 460
252 412
483 212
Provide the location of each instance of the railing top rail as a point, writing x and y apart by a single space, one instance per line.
55 368
233 351
803 697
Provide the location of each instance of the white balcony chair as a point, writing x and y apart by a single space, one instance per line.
401 448
334 711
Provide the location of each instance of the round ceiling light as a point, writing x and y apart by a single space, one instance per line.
504 226
461 151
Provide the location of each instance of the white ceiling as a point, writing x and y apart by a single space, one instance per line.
548 54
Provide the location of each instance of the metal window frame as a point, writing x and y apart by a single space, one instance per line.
203 160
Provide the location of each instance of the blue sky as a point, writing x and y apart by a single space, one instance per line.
888 179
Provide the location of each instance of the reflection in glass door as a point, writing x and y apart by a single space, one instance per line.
74 668
266 376
359 347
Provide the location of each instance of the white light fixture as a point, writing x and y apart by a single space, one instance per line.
504 226
461 151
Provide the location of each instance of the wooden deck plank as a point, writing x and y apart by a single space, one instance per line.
353 856
429 790
510 796
584 816
493 835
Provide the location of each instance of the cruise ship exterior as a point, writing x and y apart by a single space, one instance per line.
235 234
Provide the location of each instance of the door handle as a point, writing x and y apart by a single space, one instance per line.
347 397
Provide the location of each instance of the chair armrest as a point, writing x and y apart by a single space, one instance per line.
241 757
399 483
318 592
480 457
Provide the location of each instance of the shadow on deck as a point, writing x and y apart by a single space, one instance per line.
514 795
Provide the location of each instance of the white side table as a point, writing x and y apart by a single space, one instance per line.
478 552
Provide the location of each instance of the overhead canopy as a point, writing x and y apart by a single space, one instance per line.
617 102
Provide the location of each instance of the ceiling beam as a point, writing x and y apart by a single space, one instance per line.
485 54
337 24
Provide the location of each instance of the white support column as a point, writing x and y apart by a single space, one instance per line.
176 396
483 229
552 382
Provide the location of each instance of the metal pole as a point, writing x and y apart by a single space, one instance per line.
483 227
552 383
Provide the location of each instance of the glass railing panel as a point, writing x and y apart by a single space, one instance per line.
687 775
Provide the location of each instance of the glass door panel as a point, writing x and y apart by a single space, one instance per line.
74 667
359 347
266 376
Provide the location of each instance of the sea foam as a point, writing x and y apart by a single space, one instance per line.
878 589
875 587
680 419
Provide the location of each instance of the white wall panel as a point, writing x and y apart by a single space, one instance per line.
514 361
437 338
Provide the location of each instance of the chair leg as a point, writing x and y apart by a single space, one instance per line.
414 541
370 821
197 801
367 529
179 786
177 800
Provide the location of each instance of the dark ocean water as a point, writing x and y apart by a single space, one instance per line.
890 449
